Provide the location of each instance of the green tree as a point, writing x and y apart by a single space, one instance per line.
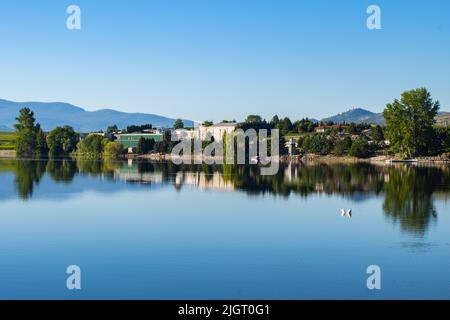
304 125
112 129
378 134
360 148
409 123
207 123
253 119
441 140
113 150
342 146
137 129
91 146
254 122
178 124
41 143
166 145
285 126
61 141
145 145
318 144
352 128
26 130
275 121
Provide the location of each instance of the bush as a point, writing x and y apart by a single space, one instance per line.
91 146
360 148
62 141
342 146
318 144
145 145
441 140
113 150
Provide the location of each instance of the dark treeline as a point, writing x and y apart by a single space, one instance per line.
33 142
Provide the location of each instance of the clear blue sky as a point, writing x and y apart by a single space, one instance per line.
224 59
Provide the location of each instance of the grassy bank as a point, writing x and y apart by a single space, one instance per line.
7 140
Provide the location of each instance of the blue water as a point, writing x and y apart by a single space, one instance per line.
163 240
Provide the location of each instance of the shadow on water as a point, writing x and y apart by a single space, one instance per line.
409 191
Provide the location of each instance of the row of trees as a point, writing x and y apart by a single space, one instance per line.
305 125
60 142
146 146
178 124
323 144
97 145
410 130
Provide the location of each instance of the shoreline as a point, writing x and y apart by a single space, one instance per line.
308 158
311 158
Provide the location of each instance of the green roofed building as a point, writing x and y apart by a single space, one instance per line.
130 141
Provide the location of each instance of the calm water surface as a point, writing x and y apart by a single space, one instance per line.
142 230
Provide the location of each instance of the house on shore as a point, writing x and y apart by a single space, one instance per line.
130 141
325 128
217 131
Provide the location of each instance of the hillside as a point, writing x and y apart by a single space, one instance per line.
357 115
51 115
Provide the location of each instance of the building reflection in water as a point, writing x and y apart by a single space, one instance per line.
408 192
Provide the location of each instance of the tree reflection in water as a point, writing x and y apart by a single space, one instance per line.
408 190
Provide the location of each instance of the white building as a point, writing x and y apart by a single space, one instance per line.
217 131
185 134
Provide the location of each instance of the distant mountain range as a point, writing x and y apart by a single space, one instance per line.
51 115
359 115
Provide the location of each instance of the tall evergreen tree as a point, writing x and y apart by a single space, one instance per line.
26 130
178 124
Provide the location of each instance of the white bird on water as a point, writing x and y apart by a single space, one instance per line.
349 213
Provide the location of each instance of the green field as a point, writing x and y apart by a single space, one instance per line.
7 140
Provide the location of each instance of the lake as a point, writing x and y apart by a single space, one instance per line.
142 230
